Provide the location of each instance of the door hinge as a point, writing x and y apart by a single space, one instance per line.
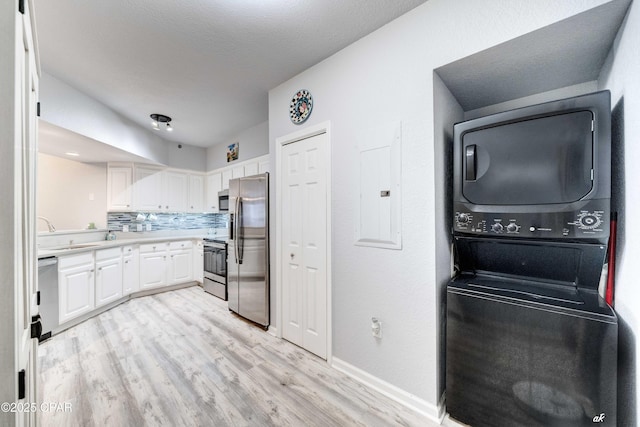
38 109
36 327
21 6
38 298
22 384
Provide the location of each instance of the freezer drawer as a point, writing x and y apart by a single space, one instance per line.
512 362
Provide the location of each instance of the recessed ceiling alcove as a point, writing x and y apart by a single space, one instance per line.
564 54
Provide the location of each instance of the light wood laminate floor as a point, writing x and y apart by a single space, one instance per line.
180 358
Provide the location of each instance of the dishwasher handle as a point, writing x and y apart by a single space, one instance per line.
46 262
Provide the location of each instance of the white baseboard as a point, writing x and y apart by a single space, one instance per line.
433 412
273 330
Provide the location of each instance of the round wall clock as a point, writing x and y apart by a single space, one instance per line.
300 106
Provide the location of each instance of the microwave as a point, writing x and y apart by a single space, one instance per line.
223 201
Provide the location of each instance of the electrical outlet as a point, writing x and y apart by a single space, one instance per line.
376 327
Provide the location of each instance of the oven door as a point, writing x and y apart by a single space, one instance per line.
215 269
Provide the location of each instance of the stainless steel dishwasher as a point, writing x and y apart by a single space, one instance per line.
48 286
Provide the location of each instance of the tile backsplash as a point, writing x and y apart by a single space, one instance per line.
139 221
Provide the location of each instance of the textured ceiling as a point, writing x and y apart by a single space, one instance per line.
206 63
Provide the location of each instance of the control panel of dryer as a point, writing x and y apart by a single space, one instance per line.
589 223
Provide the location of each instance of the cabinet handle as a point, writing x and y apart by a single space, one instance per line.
159 206
167 206
99 268
126 262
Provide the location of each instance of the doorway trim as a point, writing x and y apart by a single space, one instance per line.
308 132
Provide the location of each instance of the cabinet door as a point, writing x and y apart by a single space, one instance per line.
108 280
198 262
196 193
251 169
119 180
214 185
237 172
175 194
147 189
263 166
75 291
153 270
130 270
226 176
180 267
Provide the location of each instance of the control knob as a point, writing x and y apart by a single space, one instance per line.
589 221
512 227
497 227
463 218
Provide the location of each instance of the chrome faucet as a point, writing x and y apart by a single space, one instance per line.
51 227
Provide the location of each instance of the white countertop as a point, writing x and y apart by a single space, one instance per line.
102 244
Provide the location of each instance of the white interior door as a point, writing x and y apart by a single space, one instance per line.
25 217
304 243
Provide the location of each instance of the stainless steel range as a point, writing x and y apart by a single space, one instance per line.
215 267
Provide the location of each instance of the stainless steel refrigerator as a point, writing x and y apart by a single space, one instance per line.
248 249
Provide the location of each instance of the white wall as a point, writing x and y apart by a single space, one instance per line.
254 142
69 108
383 78
620 76
445 115
64 189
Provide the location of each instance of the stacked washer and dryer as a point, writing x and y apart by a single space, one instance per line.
530 341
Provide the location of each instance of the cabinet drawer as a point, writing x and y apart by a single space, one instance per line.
69 261
110 253
183 244
153 247
128 250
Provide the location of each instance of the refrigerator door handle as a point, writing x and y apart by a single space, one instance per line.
240 242
236 236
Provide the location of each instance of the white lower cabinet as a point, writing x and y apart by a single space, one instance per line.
108 275
130 270
90 280
153 265
75 286
198 261
180 262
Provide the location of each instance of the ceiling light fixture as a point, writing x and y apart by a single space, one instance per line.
156 119
72 153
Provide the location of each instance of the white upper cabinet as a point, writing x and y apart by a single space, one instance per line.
263 166
147 188
251 169
175 191
196 193
214 185
237 172
119 185
226 177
